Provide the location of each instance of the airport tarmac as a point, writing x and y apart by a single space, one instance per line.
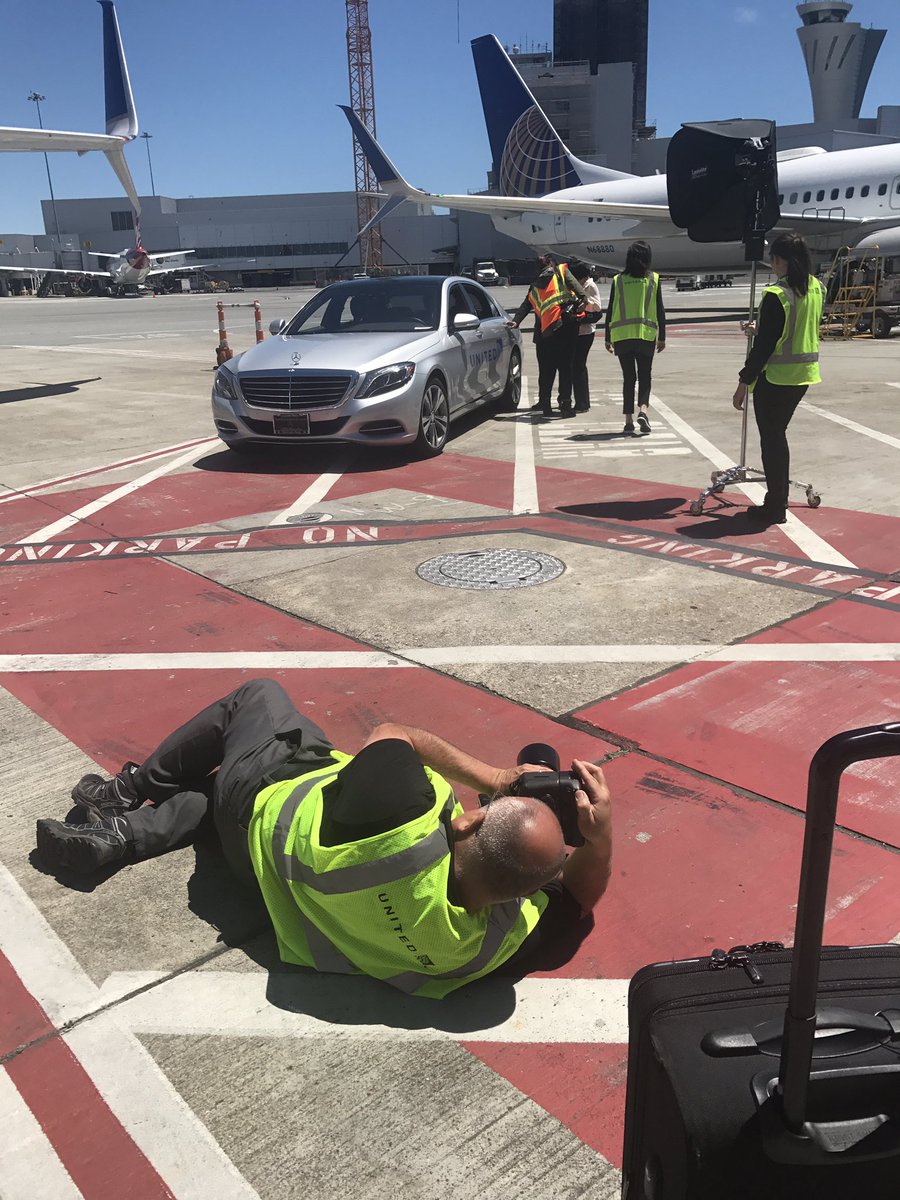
152 1043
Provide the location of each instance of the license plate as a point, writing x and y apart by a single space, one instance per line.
292 424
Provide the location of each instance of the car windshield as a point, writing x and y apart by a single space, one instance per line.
371 306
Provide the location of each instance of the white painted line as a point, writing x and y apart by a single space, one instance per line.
235 1004
896 385
435 656
29 1166
317 490
80 348
525 491
179 1146
50 531
19 493
855 426
804 539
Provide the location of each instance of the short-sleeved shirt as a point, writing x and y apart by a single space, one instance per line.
385 786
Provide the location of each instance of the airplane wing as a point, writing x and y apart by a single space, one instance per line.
183 267
121 116
57 271
168 253
392 183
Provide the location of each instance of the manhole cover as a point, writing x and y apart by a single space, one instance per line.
308 519
484 570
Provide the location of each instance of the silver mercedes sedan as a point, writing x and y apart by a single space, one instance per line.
375 362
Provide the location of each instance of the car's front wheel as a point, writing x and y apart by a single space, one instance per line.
512 393
434 419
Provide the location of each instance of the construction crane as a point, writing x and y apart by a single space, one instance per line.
362 101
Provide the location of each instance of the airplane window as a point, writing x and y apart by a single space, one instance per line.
864 190
848 194
820 194
897 188
793 197
780 200
882 189
807 196
835 192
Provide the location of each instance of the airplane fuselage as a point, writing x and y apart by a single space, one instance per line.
843 183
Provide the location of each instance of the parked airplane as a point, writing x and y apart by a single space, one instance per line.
552 200
125 272
121 118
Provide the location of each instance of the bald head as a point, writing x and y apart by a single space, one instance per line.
517 848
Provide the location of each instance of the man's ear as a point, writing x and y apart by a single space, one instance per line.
466 823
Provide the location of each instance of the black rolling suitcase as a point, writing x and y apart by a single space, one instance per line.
738 1086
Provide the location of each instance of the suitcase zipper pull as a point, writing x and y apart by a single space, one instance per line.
739 956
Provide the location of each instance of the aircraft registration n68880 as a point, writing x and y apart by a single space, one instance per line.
552 200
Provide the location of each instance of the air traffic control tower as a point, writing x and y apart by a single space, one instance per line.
839 58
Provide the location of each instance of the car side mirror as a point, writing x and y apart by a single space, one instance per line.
464 321
276 327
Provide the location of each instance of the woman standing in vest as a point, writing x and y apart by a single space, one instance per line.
586 322
555 331
782 363
635 331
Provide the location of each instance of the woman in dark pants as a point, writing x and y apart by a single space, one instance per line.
635 331
782 363
586 322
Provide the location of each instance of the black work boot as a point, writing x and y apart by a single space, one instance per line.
82 848
101 797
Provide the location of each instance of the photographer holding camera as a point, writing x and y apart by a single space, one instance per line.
367 864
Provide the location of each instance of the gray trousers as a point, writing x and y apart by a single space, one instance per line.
250 738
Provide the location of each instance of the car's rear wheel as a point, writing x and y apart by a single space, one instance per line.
434 419
512 393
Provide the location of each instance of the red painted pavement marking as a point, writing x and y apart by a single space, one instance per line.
757 725
100 1156
582 1086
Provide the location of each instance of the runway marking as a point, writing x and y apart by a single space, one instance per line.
810 543
89 349
29 1167
87 510
154 1116
855 426
20 493
525 489
896 385
236 1004
436 656
317 491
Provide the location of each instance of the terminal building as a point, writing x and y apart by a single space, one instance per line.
593 87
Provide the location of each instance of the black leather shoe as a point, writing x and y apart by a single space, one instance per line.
582 408
629 430
766 516
83 849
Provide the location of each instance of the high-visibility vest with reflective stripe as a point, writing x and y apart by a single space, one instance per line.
795 360
633 313
547 301
378 906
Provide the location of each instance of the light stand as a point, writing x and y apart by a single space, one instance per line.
750 161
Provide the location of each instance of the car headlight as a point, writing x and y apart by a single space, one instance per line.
385 379
225 384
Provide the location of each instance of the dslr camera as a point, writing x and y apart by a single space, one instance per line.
552 787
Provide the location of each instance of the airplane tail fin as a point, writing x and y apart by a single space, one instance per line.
121 117
530 159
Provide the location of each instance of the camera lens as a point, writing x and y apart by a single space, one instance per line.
539 754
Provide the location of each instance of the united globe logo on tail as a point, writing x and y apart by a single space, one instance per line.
534 160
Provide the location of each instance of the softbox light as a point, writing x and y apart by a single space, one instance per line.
723 181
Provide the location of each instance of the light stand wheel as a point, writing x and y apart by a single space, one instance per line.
696 508
813 499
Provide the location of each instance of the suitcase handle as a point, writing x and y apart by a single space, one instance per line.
828 764
860 1032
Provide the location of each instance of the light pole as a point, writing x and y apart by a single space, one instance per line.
147 136
37 98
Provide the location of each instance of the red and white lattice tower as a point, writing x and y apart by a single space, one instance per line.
362 101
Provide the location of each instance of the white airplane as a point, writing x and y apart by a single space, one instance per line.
126 271
121 117
552 200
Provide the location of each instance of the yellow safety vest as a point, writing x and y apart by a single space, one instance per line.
547 301
633 313
378 906
795 359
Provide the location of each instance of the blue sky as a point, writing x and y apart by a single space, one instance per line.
240 95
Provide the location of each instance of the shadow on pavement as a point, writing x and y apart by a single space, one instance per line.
44 391
731 523
657 509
